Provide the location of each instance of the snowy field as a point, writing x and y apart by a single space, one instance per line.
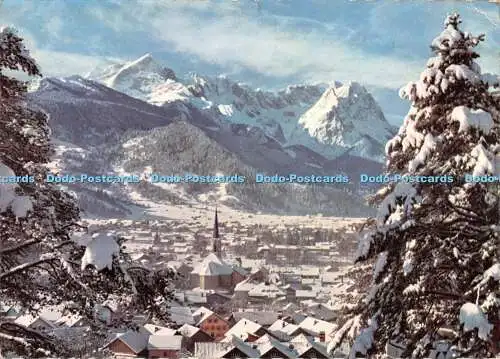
204 215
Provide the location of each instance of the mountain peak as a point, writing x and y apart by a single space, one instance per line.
350 89
347 117
146 59
137 78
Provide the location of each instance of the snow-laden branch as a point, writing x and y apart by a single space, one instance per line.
19 246
71 272
28 265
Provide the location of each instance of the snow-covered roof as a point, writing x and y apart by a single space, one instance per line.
266 290
264 318
188 330
136 341
27 320
249 350
201 314
165 342
158 330
315 326
282 329
302 344
52 313
244 286
242 329
181 315
212 265
69 320
266 343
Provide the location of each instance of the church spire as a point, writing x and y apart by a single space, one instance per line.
216 225
216 243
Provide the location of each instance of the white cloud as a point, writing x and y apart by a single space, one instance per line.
61 63
268 45
233 36
57 63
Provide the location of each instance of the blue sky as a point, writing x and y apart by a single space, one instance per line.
266 43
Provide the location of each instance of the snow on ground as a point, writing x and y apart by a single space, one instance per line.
205 213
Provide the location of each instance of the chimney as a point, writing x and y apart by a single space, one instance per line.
322 336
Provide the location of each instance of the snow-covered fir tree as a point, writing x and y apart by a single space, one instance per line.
44 260
436 278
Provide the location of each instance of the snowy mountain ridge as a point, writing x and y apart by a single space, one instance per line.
99 130
331 120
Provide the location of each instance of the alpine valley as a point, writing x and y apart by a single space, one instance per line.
141 118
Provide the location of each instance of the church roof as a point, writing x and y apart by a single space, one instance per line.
212 265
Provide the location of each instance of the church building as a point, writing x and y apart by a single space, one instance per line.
213 272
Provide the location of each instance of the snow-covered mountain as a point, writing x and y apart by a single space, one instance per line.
345 118
138 78
329 120
102 131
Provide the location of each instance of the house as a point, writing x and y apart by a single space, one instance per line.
239 349
242 289
245 330
217 299
211 323
34 322
129 344
193 335
321 311
308 348
71 321
9 312
265 292
152 329
263 318
315 327
181 315
164 346
270 347
284 331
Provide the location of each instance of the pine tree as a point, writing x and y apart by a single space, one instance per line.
436 244
43 259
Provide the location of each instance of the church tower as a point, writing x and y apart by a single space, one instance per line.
216 242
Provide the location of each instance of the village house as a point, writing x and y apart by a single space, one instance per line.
193 335
9 312
129 344
285 331
263 318
34 322
211 323
245 330
164 346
